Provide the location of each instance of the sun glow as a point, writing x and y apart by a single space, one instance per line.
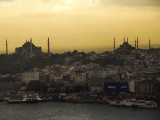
85 25
64 5
68 1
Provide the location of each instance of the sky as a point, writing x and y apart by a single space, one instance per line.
84 25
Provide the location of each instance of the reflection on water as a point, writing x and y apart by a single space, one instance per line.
70 111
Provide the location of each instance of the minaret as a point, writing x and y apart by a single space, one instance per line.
127 39
124 40
149 43
137 43
31 49
6 48
114 44
31 40
48 46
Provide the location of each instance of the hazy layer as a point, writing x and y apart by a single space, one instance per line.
84 25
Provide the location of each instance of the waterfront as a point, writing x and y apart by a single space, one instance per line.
71 111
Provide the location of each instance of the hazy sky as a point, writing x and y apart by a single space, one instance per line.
84 25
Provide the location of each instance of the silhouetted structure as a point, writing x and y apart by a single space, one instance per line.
28 50
149 43
6 47
114 44
125 51
31 51
125 48
137 43
48 46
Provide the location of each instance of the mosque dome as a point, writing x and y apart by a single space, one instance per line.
28 44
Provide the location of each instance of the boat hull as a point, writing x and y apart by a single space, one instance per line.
133 104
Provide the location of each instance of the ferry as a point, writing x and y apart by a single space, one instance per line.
115 103
27 99
134 103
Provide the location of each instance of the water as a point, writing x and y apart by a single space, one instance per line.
71 111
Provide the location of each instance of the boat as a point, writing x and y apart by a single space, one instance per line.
147 104
134 103
27 99
115 103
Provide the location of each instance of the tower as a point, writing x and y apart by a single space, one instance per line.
149 43
137 43
31 40
124 40
48 46
31 49
114 44
6 47
127 39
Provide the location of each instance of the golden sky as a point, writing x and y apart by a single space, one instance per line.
84 25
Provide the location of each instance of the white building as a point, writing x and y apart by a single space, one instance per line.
29 76
131 84
108 72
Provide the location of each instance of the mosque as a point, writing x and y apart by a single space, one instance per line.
28 49
127 51
125 48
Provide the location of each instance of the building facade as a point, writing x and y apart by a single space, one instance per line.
149 87
29 76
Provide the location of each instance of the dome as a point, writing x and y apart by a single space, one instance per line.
28 44
125 48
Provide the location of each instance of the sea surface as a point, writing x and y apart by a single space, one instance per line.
72 111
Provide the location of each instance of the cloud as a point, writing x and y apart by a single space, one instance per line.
58 5
93 2
68 5
131 2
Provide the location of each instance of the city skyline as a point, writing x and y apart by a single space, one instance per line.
84 25
80 59
115 46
